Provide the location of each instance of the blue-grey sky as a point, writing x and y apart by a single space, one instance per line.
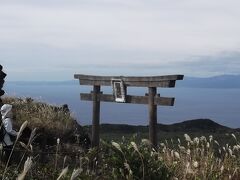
54 39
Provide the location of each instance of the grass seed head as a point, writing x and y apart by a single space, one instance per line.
230 152
187 138
203 139
134 145
182 148
27 166
146 142
196 141
216 142
195 164
76 173
221 169
117 146
179 141
233 135
176 155
63 173
58 141
210 138
162 144
23 126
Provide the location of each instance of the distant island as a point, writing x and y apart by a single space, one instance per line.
222 81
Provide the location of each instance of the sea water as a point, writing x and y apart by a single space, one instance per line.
220 105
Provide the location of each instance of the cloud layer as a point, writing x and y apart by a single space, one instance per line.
60 37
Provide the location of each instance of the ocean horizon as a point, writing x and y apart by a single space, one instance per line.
217 104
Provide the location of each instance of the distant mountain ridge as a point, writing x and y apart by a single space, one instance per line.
196 125
222 81
48 83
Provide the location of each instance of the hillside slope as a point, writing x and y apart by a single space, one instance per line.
197 125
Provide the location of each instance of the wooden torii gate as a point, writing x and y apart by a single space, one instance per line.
119 85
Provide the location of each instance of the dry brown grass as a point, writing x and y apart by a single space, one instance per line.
40 115
195 158
203 158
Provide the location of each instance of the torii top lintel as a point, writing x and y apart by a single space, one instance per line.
139 81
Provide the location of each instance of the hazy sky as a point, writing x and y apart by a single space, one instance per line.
54 39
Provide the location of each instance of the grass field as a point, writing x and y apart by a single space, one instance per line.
197 155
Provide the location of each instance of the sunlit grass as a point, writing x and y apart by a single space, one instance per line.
188 157
201 158
40 115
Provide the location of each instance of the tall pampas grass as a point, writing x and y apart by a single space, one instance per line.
23 126
27 166
135 147
63 173
28 146
56 155
76 173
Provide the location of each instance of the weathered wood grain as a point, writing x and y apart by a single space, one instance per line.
163 101
163 84
96 116
129 78
151 81
152 91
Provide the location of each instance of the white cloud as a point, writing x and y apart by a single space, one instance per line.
117 33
